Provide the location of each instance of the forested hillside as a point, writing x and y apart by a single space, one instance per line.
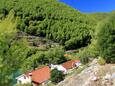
54 21
98 16
17 56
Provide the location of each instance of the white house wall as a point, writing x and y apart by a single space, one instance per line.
23 79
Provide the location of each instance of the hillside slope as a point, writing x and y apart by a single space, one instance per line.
46 23
51 19
93 75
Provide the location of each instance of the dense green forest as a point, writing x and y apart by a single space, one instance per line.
53 21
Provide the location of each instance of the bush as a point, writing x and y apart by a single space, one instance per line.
84 60
56 76
101 61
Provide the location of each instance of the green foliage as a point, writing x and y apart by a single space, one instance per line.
99 16
12 58
101 61
106 39
84 60
7 26
56 76
90 51
47 18
56 55
7 30
52 56
12 52
51 19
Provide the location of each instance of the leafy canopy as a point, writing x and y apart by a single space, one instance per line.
106 39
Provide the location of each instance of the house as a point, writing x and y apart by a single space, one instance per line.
23 79
40 76
71 64
58 67
36 77
65 67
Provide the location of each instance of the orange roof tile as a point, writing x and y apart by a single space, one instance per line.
41 75
70 64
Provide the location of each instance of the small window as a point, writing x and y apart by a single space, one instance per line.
24 77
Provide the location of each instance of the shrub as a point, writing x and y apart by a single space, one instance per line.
101 61
84 60
56 76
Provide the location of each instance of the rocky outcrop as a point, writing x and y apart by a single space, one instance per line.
94 75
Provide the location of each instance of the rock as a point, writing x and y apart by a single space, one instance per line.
107 77
94 62
86 83
113 68
113 76
93 75
94 78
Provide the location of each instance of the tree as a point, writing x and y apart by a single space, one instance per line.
54 22
12 58
56 76
84 60
12 52
52 56
56 55
106 39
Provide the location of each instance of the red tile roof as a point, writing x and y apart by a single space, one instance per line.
41 75
70 64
